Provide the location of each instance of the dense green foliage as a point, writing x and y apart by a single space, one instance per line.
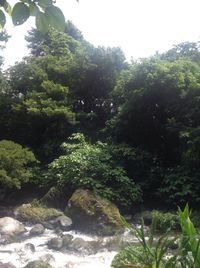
139 123
165 221
92 166
15 163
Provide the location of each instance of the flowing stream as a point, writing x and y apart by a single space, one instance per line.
35 248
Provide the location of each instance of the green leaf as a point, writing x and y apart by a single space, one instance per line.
45 3
20 13
55 17
2 19
33 9
42 23
7 8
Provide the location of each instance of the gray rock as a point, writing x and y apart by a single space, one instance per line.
67 239
48 225
5 239
29 247
10 226
63 222
47 258
55 243
38 264
81 246
37 229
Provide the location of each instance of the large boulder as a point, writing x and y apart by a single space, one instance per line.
55 198
36 214
11 227
93 214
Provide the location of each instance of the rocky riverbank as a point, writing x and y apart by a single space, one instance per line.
87 234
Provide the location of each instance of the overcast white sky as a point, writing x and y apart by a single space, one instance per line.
139 27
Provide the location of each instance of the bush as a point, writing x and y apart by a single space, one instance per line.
126 258
91 166
181 185
165 221
15 164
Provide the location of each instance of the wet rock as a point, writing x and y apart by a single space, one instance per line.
79 245
38 229
48 225
38 264
31 214
29 247
58 231
47 258
63 222
10 226
5 239
7 265
93 214
67 239
55 243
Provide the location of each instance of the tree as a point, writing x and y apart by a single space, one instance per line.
153 96
40 115
190 50
45 12
15 164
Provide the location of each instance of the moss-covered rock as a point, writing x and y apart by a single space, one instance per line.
55 197
93 214
29 213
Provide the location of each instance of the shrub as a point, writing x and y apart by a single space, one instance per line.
165 221
15 164
181 185
126 258
91 166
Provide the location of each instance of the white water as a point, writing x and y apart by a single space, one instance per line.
18 255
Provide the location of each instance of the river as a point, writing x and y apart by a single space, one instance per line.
35 248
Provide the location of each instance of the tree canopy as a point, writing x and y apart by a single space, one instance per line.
139 121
